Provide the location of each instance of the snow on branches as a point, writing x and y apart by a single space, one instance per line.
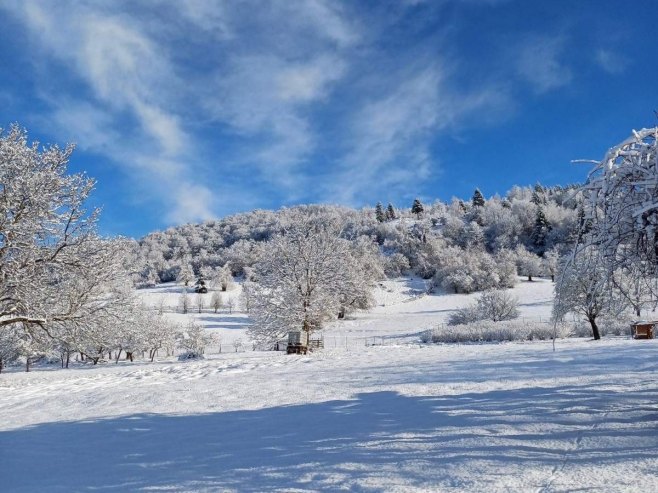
307 275
622 193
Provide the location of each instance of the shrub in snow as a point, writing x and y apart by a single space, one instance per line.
396 265
193 341
494 305
498 305
464 316
472 270
608 326
486 331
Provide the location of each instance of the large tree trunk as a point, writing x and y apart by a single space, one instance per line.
595 329
529 278
68 359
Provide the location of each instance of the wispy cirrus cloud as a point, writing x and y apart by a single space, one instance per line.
206 107
539 62
610 61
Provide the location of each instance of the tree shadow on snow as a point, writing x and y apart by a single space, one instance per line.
434 442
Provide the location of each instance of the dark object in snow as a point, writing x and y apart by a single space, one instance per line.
643 329
300 343
297 342
201 289
187 355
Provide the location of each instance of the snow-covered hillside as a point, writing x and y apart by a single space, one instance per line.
403 310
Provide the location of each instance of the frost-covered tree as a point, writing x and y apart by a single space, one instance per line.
193 340
622 202
200 302
528 263
184 301
582 287
224 278
216 301
9 345
186 273
550 263
247 296
304 278
494 305
498 305
54 266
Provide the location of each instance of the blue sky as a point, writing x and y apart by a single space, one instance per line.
185 111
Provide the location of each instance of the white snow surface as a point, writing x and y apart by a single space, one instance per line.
397 417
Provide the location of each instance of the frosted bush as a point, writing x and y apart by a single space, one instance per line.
487 331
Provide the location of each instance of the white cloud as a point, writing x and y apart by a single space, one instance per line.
539 63
610 61
389 149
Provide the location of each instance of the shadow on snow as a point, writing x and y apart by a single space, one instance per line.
417 441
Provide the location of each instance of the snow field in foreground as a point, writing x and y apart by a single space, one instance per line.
492 417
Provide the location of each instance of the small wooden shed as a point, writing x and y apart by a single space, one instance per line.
643 329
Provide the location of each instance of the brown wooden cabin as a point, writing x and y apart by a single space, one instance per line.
643 329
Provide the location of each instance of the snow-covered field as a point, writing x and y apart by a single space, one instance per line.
481 417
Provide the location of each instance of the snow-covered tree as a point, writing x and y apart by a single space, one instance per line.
55 268
622 201
303 279
186 273
498 305
184 301
200 302
494 305
582 287
9 345
216 301
550 263
528 263
193 340
224 277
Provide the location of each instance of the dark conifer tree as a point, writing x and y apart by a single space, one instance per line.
390 212
478 199
417 207
379 212
540 231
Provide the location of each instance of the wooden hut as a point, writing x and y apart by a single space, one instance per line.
643 329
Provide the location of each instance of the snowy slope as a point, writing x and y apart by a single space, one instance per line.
402 311
500 417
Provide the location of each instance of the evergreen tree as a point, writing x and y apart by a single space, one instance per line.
478 199
379 212
538 195
390 212
584 225
540 231
417 207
